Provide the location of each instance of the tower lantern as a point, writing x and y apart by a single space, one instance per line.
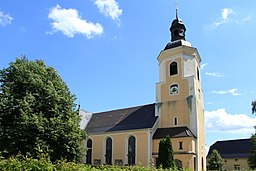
177 29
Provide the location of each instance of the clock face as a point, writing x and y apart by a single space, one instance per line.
174 89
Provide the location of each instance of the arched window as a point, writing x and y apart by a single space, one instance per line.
89 152
175 121
173 68
108 154
131 150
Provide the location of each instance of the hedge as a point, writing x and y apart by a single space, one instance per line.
22 163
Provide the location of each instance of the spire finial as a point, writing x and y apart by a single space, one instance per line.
176 5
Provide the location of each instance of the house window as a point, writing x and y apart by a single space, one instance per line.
174 89
131 150
108 155
180 145
175 120
173 68
236 167
89 152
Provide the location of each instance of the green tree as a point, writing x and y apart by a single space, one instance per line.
252 158
253 107
37 113
166 154
215 162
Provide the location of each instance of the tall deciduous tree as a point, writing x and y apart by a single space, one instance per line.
37 111
253 107
166 154
215 162
252 158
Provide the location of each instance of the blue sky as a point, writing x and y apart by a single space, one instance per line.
106 51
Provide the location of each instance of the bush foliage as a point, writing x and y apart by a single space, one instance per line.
20 162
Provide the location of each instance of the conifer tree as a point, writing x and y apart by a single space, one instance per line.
37 113
215 162
166 154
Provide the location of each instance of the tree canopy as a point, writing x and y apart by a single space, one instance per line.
166 154
253 107
215 162
252 158
37 113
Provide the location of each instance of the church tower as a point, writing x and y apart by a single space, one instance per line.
179 95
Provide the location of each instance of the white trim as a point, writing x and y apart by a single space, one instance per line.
170 89
126 147
85 155
119 132
150 147
185 58
169 68
162 67
104 149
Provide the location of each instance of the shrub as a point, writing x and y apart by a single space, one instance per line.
22 163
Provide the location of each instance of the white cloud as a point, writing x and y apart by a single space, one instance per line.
245 19
231 91
228 15
109 8
209 103
203 66
225 14
5 19
221 121
69 22
214 74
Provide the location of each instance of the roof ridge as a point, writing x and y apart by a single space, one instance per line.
233 140
114 110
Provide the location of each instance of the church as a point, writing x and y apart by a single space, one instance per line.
131 136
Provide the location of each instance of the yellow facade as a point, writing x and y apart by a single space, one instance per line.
236 164
187 153
186 105
120 147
